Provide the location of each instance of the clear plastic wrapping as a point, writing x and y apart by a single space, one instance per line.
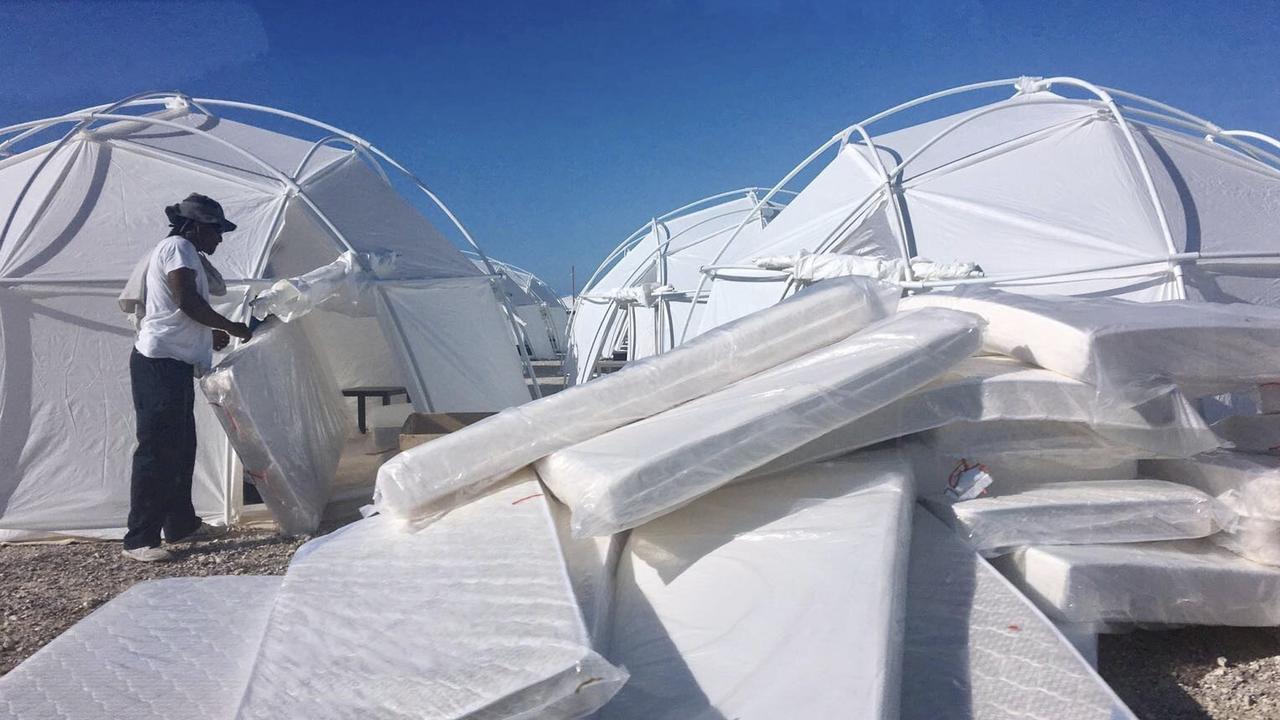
472 617
778 597
341 286
1259 434
1081 513
1180 582
977 649
440 475
934 470
1075 444
1131 352
286 420
1247 484
990 389
631 475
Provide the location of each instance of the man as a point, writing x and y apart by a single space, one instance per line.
175 343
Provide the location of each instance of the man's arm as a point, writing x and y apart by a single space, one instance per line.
182 283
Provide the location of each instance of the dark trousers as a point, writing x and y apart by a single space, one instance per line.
160 490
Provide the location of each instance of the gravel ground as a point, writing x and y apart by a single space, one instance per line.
1191 674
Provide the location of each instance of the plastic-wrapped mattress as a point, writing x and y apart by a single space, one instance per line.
286 420
991 389
437 476
1249 485
977 649
636 473
777 597
1081 513
472 617
161 650
1131 352
1073 444
1182 582
592 563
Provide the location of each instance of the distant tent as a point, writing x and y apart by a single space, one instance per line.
645 291
81 201
543 319
1087 192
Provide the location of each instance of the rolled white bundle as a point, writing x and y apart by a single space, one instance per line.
437 476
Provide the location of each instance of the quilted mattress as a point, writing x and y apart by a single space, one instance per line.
472 617
161 650
437 476
1081 513
1183 582
1130 351
779 597
631 475
976 649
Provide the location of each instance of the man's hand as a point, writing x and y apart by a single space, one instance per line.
220 339
240 330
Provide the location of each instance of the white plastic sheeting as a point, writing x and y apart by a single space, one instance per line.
1081 513
989 389
977 649
437 476
1183 582
285 419
692 449
773 598
1248 485
161 650
455 345
1131 352
341 285
472 617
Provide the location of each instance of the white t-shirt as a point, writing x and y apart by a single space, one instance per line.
166 331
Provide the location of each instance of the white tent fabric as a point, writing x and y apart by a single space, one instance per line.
542 316
668 251
76 214
1058 189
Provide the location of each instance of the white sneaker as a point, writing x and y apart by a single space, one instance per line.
148 554
204 532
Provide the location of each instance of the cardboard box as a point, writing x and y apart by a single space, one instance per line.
423 427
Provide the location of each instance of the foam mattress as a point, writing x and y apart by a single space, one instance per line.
438 476
1184 582
1131 352
977 649
638 472
286 420
472 617
992 388
1249 485
592 563
1068 443
161 650
1081 513
779 597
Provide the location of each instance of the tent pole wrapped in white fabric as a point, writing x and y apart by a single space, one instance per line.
642 293
1065 188
81 201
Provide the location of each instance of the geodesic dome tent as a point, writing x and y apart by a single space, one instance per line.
542 318
647 289
81 201
1063 188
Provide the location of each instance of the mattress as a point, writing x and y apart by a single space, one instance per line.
163 649
592 563
1081 513
259 392
1182 582
1131 352
437 476
934 470
631 475
1258 434
472 617
779 597
1249 485
1066 443
990 389
976 649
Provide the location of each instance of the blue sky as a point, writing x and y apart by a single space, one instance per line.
555 129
